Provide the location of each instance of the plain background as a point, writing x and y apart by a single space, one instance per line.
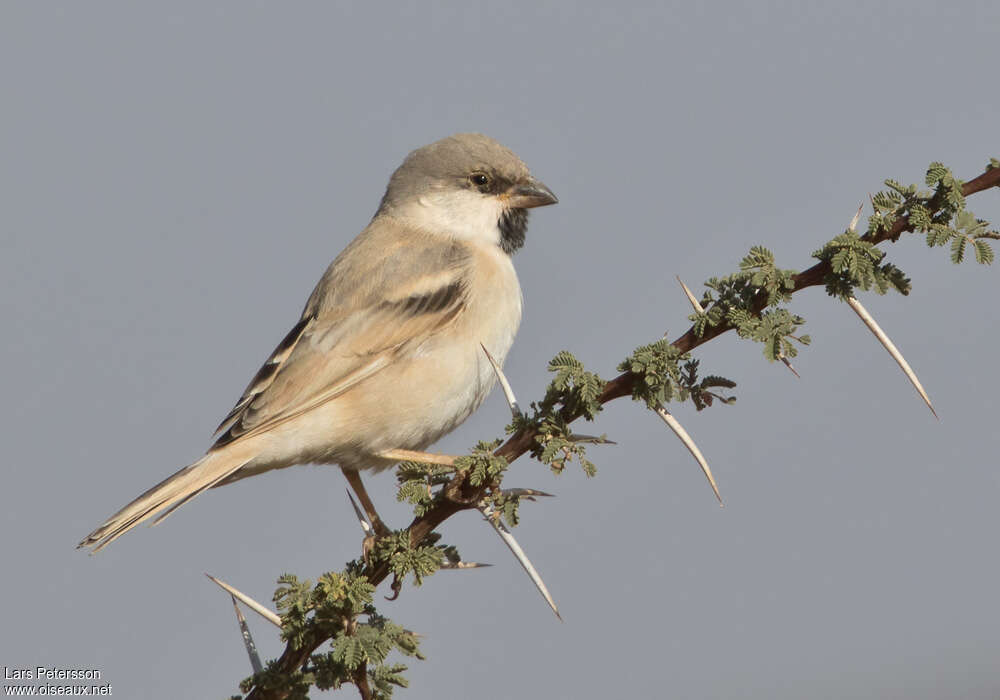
175 178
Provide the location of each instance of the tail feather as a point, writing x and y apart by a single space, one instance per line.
188 497
169 494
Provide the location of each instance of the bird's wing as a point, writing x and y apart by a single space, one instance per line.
382 298
265 375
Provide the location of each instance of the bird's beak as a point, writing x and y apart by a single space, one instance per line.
530 194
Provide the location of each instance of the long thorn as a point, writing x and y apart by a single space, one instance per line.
365 526
255 663
692 447
863 314
691 298
788 365
526 493
464 565
591 439
854 221
515 548
248 601
504 384
873 326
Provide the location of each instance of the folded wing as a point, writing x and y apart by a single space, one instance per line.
335 346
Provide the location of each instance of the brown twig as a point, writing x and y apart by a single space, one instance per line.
460 495
361 682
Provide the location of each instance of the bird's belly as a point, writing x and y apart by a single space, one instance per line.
432 393
443 383
417 399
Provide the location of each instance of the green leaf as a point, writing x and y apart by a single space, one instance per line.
920 217
347 650
657 364
958 249
483 466
984 252
935 173
938 235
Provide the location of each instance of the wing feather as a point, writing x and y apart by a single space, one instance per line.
265 375
355 325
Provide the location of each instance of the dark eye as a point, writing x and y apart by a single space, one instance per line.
480 180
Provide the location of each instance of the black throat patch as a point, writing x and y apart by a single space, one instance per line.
513 226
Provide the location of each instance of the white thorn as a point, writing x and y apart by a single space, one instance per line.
694 302
692 447
248 601
863 314
788 365
248 642
515 548
526 493
591 439
854 221
504 384
457 565
365 525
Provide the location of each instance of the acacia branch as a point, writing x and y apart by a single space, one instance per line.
361 682
460 495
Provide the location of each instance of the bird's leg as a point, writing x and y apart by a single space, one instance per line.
413 456
354 479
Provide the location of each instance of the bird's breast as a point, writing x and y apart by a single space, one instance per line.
491 318
494 304
431 391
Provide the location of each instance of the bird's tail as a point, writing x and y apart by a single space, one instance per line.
169 494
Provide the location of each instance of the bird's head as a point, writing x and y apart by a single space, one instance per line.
466 186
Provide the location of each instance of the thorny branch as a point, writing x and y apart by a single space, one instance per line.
460 495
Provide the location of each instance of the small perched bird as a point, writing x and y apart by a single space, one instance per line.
388 353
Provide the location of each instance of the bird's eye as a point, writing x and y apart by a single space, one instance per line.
480 180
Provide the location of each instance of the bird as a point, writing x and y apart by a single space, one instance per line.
387 355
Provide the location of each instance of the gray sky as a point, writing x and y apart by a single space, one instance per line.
176 179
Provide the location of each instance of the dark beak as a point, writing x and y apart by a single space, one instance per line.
530 194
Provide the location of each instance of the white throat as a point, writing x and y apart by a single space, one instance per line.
460 214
